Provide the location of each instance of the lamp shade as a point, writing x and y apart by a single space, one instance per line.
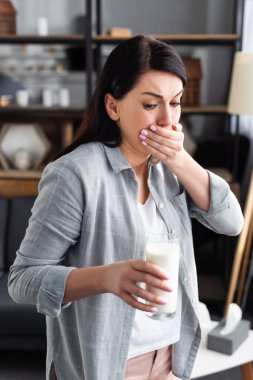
241 88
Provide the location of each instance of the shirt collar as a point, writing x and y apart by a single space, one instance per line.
116 159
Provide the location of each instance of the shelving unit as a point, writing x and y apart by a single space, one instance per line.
180 39
17 186
214 109
89 41
77 39
77 111
63 115
230 39
36 110
25 182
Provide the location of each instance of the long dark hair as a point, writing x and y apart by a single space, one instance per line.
121 72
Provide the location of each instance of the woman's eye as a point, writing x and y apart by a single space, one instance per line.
175 104
149 106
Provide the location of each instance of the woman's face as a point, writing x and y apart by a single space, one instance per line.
154 100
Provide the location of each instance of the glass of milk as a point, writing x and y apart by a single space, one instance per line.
164 250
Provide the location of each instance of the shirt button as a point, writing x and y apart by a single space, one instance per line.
185 279
161 205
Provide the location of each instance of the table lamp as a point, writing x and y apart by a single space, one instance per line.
241 88
240 100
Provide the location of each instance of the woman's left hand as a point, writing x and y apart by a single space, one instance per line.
165 144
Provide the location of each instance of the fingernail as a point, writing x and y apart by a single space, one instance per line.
144 132
142 137
153 128
153 309
165 275
167 286
144 143
162 301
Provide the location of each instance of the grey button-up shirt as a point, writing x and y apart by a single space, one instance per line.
85 215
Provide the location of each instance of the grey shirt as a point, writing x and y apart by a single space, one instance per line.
85 215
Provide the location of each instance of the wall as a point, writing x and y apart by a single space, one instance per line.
60 14
142 16
162 16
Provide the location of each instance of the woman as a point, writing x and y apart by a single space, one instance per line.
87 234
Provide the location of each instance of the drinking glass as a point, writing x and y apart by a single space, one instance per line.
164 250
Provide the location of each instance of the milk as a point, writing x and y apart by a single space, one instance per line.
166 255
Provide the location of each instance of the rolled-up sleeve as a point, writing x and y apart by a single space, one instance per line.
38 275
224 215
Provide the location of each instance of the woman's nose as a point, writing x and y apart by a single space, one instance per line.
165 118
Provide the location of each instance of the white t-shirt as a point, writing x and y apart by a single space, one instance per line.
149 334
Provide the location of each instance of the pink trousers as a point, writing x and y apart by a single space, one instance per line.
155 365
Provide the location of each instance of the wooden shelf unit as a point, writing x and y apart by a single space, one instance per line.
16 183
77 111
76 39
188 39
38 110
20 174
210 109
